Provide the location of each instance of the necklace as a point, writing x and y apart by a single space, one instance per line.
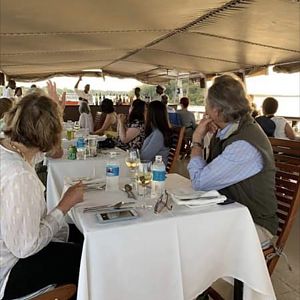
16 149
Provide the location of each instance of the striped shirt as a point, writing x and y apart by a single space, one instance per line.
240 160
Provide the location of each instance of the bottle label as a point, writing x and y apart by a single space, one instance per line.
80 143
112 170
158 175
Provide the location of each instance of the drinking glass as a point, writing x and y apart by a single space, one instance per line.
132 160
76 125
92 147
144 176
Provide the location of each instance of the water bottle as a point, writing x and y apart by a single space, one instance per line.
81 148
158 177
112 173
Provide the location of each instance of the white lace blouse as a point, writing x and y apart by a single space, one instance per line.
25 226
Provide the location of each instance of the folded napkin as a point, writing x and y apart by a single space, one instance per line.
85 180
98 137
196 198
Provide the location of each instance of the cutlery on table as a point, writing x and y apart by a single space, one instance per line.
197 198
108 207
128 190
95 187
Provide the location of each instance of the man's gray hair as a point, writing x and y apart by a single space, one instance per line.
228 95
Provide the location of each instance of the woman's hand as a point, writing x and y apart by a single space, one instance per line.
61 101
72 196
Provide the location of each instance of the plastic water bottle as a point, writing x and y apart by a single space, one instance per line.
158 177
112 173
81 148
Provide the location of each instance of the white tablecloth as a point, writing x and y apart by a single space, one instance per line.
172 256
58 169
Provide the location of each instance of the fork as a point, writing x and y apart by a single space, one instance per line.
100 207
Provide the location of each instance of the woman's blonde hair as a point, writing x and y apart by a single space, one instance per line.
35 121
228 95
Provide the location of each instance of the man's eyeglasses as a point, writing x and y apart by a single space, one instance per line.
163 201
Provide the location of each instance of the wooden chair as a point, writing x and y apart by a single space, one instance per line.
287 189
63 292
177 137
99 120
287 185
186 148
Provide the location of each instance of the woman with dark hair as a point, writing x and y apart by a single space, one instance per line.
133 136
108 118
33 242
158 133
18 94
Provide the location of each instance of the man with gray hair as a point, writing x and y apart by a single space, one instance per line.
240 163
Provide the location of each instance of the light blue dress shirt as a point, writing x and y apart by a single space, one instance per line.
240 160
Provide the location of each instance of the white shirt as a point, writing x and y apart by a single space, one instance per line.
25 227
86 121
8 93
280 123
82 94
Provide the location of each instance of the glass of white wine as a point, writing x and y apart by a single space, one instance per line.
144 176
132 160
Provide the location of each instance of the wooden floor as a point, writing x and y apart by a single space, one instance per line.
286 283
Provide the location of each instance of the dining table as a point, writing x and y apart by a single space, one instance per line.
92 167
173 255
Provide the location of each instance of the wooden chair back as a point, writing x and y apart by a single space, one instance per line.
50 292
99 120
287 189
177 137
64 292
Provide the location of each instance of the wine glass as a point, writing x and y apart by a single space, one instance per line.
132 160
76 125
144 175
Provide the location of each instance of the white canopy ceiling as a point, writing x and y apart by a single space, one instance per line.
150 40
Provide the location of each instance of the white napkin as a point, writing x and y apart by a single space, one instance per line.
100 138
196 198
85 180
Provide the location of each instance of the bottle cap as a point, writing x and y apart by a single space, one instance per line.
158 158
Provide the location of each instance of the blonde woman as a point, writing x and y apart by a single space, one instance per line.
30 257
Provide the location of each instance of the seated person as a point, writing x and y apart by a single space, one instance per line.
173 116
187 117
240 163
86 118
281 128
267 125
18 94
158 133
134 134
30 258
109 118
